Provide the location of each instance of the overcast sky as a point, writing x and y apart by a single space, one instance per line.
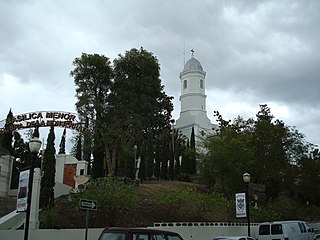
254 52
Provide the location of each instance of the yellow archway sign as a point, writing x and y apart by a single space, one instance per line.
44 119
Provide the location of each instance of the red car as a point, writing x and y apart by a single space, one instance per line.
119 233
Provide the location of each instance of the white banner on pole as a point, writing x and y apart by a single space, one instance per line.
22 197
241 211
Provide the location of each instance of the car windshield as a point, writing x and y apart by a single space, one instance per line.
264 229
112 236
174 237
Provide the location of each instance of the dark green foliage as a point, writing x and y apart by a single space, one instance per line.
190 202
149 157
49 170
22 156
78 153
131 109
62 146
186 156
114 199
137 88
98 165
276 156
309 179
6 136
21 151
49 218
92 76
139 108
162 154
229 155
269 151
193 160
36 132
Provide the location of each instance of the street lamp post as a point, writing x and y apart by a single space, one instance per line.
135 147
34 146
246 179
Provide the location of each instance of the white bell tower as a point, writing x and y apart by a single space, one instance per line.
193 100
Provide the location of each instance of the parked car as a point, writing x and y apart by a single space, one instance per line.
283 230
316 236
120 233
234 238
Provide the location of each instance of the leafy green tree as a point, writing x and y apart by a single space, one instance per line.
92 76
276 155
139 105
228 155
270 154
123 112
49 171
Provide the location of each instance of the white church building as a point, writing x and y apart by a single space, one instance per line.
193 113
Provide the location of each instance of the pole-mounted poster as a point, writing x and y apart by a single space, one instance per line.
241 211
22 197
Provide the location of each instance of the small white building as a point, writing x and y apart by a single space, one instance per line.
67 167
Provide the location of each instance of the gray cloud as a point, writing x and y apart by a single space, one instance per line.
253 51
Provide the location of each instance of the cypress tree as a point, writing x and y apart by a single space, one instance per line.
62 146
193 161
7 135
185 165
49 171
36 132
79 147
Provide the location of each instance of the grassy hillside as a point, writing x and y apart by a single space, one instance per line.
163 201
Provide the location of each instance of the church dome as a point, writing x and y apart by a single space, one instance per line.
192 65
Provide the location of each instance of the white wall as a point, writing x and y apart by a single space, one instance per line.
206 231
51 234
187 232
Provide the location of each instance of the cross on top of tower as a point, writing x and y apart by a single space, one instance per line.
192 53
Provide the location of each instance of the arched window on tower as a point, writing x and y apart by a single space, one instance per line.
185 84
201 83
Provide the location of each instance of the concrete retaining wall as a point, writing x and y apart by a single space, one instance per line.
51 234
189 231
208 230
